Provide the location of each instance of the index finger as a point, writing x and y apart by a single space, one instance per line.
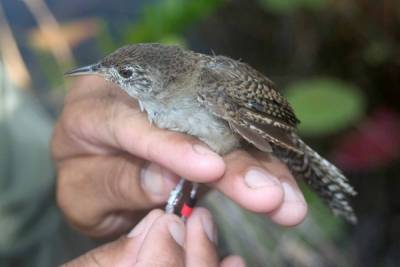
108 123
163 244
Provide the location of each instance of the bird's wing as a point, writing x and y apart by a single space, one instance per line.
247 100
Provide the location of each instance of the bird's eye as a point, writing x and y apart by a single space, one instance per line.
126 73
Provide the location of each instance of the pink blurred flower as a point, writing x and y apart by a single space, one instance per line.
374 144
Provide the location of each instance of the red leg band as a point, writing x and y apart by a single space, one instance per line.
186 210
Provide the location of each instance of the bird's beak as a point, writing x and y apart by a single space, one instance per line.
91 69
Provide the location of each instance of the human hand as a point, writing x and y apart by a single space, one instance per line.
162 240
113 165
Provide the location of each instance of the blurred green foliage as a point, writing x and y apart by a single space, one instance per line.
51 70
287 6
325 105
163 22
168 17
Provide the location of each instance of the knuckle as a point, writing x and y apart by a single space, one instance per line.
95 259
122 184
91 258
66 187
160 261
73 121
120 179
62 187
204 259
55 143
111 118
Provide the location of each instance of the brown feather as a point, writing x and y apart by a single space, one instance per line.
251 136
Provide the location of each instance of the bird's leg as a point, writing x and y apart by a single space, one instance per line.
193 192
188 206
174 197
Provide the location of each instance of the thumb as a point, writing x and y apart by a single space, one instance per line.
164 244
122 252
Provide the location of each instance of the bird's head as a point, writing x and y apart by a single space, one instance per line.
136 69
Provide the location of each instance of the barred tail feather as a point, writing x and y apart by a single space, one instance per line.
323 177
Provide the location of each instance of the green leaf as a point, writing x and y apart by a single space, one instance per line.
325 105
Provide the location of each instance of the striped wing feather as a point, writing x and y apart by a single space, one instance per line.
247 101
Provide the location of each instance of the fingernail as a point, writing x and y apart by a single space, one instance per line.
257 178
203 150
154 178
177 231
292 195
209 228
138 229
237 261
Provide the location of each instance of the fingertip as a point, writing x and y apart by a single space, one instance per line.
201 239
294 207
176 229
290 214
186 157
157 182
265 187
260 201
143 226
201 219
233 261
250 185
172 225
210 165
163 243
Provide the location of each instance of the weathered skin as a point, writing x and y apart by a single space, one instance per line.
222 102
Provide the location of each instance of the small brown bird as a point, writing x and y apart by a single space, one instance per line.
223 102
